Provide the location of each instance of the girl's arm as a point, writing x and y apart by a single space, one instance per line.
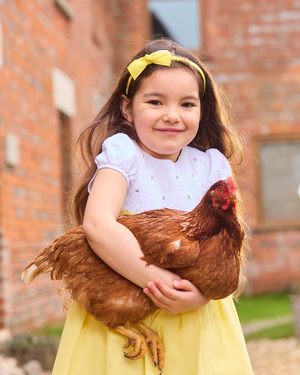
119 248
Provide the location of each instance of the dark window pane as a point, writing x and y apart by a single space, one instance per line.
280 175
178 20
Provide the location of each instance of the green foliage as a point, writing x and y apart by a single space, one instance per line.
265 306
53 331
27 342
273 333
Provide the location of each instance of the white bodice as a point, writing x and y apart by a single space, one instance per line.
159 183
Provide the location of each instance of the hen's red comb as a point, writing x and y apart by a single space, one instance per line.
231 184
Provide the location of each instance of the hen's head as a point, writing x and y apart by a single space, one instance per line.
223 194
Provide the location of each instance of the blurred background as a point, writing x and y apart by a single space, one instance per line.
59 60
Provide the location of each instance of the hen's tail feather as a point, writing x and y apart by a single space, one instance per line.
38 266
32 271
52 259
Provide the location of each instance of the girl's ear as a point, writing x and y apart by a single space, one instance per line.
126 108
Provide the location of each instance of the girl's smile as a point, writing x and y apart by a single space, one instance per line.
165 112
169 131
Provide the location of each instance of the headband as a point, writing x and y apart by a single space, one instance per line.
162 57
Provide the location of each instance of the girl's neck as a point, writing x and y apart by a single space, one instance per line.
174 157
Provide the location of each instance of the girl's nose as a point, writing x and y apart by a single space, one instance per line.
171 115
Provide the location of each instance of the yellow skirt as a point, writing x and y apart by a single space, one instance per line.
208 341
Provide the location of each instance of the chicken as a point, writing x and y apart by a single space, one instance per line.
203 246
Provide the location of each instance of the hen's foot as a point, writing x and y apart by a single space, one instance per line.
156 346
135 340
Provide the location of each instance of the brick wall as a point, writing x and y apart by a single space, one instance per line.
38 37
253 48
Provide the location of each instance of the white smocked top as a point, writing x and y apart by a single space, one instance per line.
159 183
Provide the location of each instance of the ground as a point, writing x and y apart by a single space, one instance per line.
275 357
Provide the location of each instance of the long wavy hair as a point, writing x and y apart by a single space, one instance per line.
215 128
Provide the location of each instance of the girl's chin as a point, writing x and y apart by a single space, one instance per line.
172 152
165 155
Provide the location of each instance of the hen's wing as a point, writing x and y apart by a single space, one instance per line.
162 239
216 271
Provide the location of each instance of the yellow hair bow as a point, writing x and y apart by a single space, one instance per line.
162 57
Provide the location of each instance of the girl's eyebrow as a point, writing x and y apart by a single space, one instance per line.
188 97
152 94
191 97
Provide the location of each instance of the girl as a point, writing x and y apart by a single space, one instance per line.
161 141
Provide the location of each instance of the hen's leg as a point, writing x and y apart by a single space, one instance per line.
156 346
135 340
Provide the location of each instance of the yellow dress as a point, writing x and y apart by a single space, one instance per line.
208 341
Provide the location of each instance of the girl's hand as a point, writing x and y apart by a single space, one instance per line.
183 297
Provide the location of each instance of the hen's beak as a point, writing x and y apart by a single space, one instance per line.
234 199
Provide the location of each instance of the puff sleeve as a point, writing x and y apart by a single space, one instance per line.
119 152
216 168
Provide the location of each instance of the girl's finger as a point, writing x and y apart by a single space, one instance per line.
157 302
156 291
184 285
164 289
161 300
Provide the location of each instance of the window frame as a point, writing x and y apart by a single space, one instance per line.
263 224
65 8
66 165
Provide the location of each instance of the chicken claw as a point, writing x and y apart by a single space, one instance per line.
136 340
156 346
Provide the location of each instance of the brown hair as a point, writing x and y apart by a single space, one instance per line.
215 128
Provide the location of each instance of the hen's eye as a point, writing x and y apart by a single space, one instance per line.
220 190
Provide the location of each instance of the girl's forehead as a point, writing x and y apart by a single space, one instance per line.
183 77
172 72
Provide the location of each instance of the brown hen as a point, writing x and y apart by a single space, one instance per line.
202 246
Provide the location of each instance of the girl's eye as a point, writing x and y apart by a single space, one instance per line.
188 105
154 102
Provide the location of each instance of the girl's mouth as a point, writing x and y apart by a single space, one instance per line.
169 131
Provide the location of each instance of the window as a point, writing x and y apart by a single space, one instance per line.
278 181
178 20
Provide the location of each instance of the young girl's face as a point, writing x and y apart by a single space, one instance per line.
165 112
